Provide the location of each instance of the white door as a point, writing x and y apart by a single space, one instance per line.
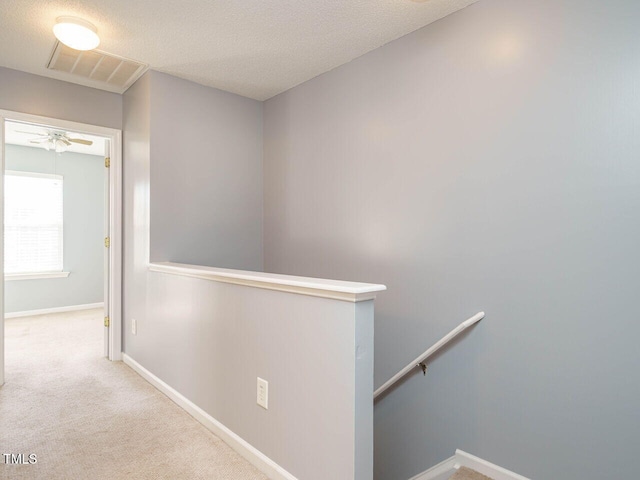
107 317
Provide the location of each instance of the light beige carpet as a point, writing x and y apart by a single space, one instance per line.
90 419
465 473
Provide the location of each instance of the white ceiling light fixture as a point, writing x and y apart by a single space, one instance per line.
76 33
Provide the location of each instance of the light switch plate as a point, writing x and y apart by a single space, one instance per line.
134 326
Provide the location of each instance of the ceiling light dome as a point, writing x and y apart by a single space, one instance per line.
76 33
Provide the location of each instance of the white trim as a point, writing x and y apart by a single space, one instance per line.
2 251
105 253
9 277
248 451
46 311
115 249
441 471
445 469
57 123
489 469
19 173
316 287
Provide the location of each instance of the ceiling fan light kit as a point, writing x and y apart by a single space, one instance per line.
60 146
76 33
56 144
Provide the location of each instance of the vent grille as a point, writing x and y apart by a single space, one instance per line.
96 65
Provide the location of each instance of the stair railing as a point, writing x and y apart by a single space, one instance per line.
421 359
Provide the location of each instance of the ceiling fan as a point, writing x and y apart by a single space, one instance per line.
58 140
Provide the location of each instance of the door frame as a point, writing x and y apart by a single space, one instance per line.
114 303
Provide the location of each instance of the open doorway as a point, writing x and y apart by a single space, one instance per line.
62 225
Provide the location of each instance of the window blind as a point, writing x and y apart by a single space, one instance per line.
33 222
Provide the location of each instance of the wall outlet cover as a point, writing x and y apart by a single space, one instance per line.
263 393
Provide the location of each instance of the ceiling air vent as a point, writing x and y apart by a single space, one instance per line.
96 65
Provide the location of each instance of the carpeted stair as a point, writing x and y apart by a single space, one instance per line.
465 473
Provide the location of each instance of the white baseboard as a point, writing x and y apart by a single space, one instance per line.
441 471
45 311
248 451
445 469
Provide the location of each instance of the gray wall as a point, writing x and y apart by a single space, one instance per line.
222 335
136 149
83 213
27 93
206 175
211 340
486 162
192 193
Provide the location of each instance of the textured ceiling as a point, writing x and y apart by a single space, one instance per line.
256 48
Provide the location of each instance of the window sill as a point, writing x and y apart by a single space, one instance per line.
33 276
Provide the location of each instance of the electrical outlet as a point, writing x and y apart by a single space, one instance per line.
263 393
134 326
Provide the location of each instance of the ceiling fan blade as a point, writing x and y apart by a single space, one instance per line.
65 141
41 140
80 140
32 133
41 137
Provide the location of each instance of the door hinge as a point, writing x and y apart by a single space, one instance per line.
107 242
106 321
107 162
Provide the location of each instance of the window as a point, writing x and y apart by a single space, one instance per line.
32 223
